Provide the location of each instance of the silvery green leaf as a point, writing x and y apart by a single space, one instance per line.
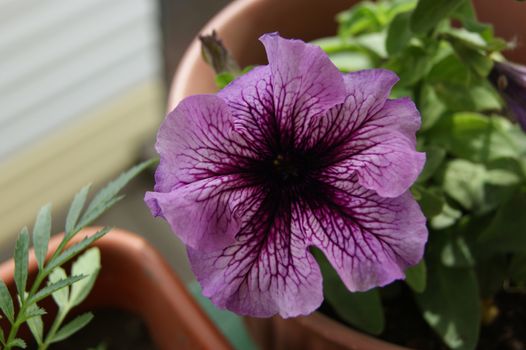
6 303
61 296
41 234
76 249
72 327
87 264
76 208
21 259
106 197
53 287
18 343
35 323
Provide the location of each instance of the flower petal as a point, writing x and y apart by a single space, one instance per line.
200 173
369 240
379 146
274 103
265 272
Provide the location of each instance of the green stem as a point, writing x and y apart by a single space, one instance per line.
54 328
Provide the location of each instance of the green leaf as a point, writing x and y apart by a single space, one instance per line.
41 234
507 231
450 305
416 277
72 327
107 196
76 208
398 34
431 200
53 287
491 274
477 188
61 296
223 79
18 343
35 323
431 107
448 217
480 63
429 13
75 249
87 264
21 260
350 61
434 158
6 303
361 309
411 65
475 137
456 252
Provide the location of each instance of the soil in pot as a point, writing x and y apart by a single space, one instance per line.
405 325
111 329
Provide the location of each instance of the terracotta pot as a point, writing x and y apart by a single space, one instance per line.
239 25
171 315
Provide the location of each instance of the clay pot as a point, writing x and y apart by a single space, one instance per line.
240 25
173 318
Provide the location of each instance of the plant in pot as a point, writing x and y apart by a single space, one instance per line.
388 163
138 301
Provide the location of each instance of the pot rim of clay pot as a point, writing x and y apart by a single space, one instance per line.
158 296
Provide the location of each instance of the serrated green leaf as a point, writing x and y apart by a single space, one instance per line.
6 303
18 343
416 277
72 327
61 296
429 13
87 264
41 234
76 208
106 197
451 305
33 311
398 33
361 309
35 323
53 287
21 260
75 249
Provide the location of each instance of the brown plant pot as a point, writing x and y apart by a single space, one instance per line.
240 25
135 278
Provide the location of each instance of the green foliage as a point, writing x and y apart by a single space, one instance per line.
363 309
67 291
450 304
473 185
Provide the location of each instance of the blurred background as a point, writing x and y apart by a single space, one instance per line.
82 92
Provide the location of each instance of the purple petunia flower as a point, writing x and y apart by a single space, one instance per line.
510 80
289 156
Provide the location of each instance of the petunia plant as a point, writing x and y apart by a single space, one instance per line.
343 166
